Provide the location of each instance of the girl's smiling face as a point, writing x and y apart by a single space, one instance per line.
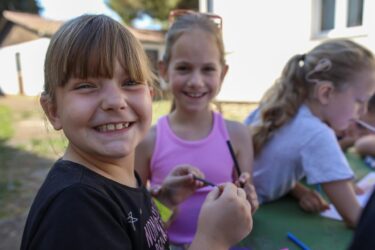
103 119
194 72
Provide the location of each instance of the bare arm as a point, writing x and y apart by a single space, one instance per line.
143 154
365 145
240 136
243 147
342 196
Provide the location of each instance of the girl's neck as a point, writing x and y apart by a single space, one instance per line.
315 108
193 126
121 171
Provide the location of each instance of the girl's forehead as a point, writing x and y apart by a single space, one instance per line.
196 44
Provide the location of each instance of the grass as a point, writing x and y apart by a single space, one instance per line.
6 128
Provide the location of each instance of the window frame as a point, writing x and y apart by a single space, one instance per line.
340 21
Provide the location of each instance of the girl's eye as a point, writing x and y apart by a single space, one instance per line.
84 86
182 68
130 82
210 68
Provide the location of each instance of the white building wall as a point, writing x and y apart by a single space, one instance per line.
260 36
32 62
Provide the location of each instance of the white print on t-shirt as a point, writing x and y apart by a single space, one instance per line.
155 233
131 220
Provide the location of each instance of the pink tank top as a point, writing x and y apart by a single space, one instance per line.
211 155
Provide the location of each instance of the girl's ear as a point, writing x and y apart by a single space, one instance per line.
224 72
152 91
324 91
49 109
163 70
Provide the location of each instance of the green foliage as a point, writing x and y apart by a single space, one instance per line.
30 6
158 9
6 129
160 108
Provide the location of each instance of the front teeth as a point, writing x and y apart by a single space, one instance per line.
195 95
113 127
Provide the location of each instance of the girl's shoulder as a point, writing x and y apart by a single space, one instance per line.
237 129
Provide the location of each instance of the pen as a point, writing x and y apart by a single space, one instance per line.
365 125
207 183
297 241
234 158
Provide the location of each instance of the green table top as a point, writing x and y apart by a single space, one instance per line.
274 220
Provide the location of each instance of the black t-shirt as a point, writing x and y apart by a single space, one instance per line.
77 208
364 235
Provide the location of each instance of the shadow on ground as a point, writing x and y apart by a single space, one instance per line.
21 175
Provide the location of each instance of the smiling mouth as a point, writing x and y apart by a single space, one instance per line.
113 126
195 95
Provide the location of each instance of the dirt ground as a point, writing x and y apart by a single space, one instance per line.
25 171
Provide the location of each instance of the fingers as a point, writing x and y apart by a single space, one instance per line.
185 169
252 198
313 202
214 194
244 182
244 178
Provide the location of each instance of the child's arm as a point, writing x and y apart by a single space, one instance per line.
365 145
243 147
309 200
143 155
342 196
225 207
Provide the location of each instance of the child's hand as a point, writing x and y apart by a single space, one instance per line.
251 195
178 185
225 207
312 201
357 189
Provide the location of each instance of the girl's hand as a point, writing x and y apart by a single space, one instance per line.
225 207
312 201
178 185
251 195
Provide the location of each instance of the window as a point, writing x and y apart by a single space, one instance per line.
355 13
328 15
334 18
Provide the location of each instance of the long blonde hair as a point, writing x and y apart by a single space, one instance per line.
336 61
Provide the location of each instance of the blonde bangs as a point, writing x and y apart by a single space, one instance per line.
88 47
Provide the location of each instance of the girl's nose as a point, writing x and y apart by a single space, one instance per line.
196 79
113 97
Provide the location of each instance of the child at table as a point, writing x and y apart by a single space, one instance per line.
358 135
192 133
98 91
317 93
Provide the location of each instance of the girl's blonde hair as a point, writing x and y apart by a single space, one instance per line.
336 61
88 47
188 22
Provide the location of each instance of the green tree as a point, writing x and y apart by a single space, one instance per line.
30 6
158 9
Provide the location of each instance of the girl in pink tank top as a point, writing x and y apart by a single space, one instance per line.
192 133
